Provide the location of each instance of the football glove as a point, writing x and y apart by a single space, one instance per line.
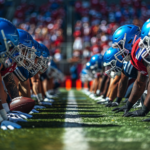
109 104
9 125
34 111
124 108
45 103
15 118
48 100
138 113
22 115
38 107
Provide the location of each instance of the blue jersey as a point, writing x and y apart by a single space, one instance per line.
129 70
21 73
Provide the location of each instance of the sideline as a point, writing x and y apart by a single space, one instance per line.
74 138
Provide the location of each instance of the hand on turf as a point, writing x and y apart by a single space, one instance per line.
15 118
109 104
9 125
38 107
34 111
124 108
138 113
114 104
46 103
22 115
48 100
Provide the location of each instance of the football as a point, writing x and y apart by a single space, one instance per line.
23 104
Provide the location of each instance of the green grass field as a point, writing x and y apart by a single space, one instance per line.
76 122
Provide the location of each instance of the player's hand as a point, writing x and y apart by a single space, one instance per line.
22 115
48 100
124 108
109 104
46 103
15 118
9 125
39 107
114 104
34 111
138 113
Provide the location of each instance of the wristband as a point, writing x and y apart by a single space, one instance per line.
129 104
3 114
118 100
1 119
6 107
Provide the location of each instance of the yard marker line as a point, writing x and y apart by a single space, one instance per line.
73 138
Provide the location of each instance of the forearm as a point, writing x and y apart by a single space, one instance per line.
103 82
122 87
147 99
11 86
137 91
25 89
113 92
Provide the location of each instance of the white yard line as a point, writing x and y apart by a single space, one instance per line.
73 138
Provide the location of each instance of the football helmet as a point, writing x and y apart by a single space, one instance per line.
45 58
144 43
52 69
9 39
96 62
124 38
112 65
28 50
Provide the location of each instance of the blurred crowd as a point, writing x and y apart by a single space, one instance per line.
97 20
45 23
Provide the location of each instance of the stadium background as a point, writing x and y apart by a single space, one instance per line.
74 30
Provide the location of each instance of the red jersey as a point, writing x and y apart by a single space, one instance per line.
136 59
6 71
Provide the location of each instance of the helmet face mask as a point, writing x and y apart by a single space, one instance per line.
122 50
112 67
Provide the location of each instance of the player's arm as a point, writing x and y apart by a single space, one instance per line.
113 88
137 91
122 87
36 87
147 99
113 91
25 88
11 85
103 82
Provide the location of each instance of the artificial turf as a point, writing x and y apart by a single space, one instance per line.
83 125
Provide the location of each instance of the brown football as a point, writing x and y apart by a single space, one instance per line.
23 104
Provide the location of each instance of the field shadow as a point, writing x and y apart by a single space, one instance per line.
62 116
64 110
57 124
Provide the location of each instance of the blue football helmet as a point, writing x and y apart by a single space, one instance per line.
96 62
111 63
45 58
144 43
52 69
28 52
124 38
9 39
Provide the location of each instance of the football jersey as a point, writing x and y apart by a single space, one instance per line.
136 59
22 74
129 70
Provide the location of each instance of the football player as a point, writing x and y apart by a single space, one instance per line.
123 71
